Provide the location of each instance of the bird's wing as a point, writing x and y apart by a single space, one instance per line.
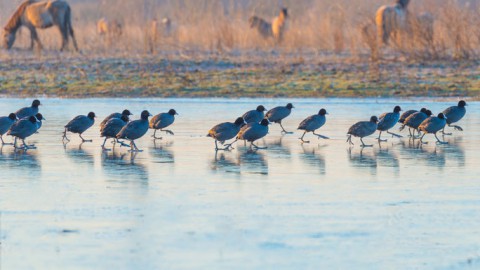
18 127
79 124
277 113
449 110
305 123
356 127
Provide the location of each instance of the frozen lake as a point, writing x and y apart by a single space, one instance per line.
178 205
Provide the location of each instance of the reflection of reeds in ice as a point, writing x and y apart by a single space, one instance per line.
437 29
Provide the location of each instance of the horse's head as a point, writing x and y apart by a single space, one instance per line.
284 12
8 39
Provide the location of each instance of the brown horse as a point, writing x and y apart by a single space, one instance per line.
111 29
391 20
33 14
155 30
274 29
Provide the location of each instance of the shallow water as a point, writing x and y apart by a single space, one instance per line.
178 205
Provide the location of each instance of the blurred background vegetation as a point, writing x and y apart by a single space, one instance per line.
221 26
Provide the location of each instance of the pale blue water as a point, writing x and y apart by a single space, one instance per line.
177 205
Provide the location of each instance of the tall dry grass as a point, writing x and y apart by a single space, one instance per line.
221 26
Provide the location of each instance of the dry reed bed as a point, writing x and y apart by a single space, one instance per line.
221 26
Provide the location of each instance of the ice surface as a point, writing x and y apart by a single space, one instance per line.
178 205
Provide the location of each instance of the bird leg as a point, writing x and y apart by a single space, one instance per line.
394 134
301 138
379 138
410 132
349 139
444 133
26 146
122 143
283 129
65 136
320 136
167 131
225 148
421 139
438 140
229 145
134 148
103 145
83 140
4 143
256 146
416 136
365 145
155 137
456 127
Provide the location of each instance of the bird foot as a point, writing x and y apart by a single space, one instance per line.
156 138
394 134
381 140
322 137
367 145
458 128
84 141
440 142
445 133
105 149
228 146
304 141
286 132
169 132
135 150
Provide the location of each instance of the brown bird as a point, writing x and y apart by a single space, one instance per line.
433 125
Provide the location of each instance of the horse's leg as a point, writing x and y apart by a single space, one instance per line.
64 33
34 36
69 28
73 38
31 38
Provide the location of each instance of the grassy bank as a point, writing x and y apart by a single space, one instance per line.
223 76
